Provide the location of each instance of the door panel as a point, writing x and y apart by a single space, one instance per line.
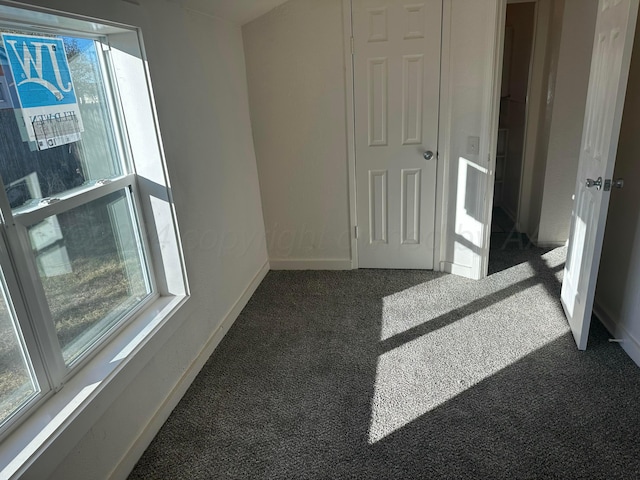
397 74
613 42
378 232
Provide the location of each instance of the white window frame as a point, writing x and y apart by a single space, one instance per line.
76 397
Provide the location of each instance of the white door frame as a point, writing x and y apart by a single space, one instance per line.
492 133
347 18
488 144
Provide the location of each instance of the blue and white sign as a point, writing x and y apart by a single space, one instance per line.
45 89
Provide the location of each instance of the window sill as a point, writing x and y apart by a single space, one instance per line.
60 422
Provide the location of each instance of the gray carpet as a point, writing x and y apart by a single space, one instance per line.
375 374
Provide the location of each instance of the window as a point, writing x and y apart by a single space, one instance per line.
88 233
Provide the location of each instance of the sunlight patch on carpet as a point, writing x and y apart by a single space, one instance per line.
424 373
428 301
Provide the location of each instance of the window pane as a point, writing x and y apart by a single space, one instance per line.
86 150
91 265
17 384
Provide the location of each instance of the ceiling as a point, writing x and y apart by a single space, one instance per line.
238 11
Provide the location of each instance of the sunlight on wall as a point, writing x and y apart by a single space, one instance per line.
433 358
469 222
574 265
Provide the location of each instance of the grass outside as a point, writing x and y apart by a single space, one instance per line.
95 290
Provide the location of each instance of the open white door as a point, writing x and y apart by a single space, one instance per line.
612 47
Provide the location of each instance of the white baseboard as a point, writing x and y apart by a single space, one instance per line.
140 444
460 270
309 264
629 343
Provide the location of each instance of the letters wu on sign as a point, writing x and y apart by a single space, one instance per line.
45 90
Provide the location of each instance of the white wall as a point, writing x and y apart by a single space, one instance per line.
565 136
559 88
617 300
198 72
545 69
239 11
527 218
521 18
470 41
296 77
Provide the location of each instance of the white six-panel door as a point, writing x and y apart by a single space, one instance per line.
396 95
613 42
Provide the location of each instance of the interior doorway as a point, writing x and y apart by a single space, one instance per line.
534 191
512 126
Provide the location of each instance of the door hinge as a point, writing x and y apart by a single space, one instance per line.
355 232
352 47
